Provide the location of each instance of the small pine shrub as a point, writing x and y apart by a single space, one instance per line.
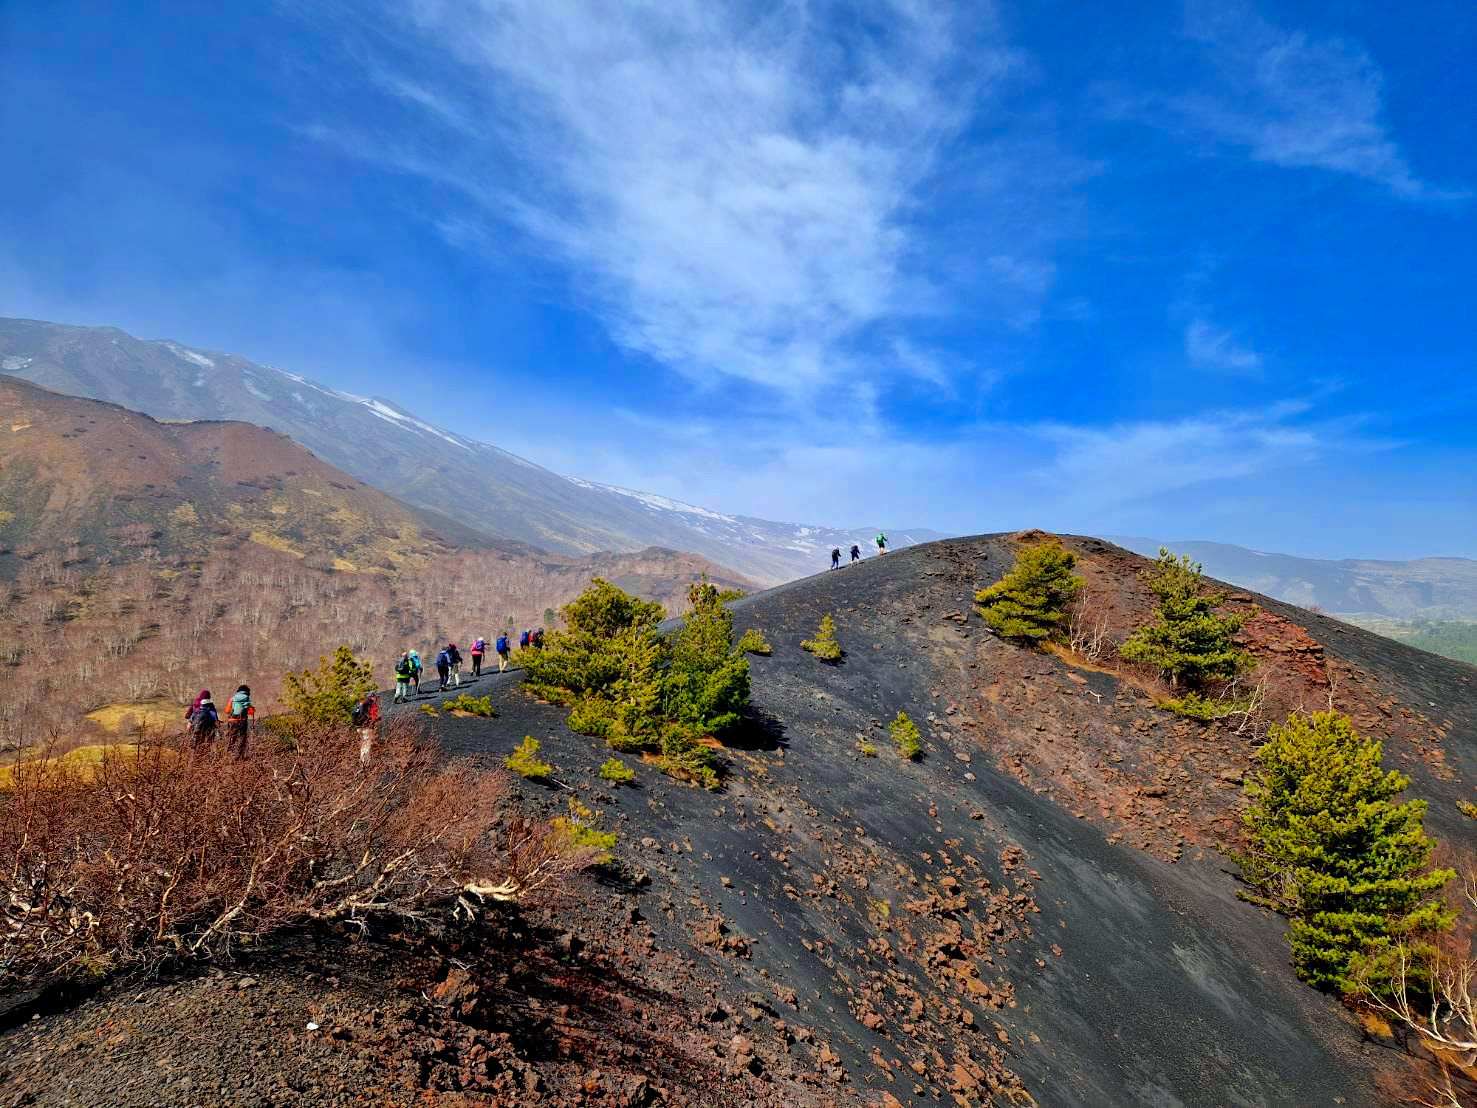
428 710
1331 849
753 641
473 705
866 749
1187 640
617 772
1032 603
905 737
824 646
684 758
328 696
525 762
1467 808
578 832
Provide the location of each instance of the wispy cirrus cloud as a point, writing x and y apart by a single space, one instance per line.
1287 98
1209 346
739 192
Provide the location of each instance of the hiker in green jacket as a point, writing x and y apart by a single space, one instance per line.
404 674
881 543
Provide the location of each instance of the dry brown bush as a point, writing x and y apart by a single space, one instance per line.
161 852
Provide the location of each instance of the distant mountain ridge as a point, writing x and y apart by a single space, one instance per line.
1422 588
377 441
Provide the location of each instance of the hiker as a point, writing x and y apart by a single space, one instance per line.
881 543
856 553
454 660
195 705
502 652
238 721
404 676
538 639
204 719
835 557
443 667
415 672
365 716
479 648
523 637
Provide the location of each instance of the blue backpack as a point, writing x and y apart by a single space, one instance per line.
443 659
502 644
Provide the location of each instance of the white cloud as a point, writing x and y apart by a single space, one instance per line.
738 194
1289 99
1211 347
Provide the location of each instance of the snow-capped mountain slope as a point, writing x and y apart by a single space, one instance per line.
377 441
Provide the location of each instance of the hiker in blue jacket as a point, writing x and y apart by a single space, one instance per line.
502 652
443 667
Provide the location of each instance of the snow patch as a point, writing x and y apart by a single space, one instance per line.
256 392
190 356
659 503
390 415
14 361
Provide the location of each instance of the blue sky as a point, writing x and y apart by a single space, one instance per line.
1185 269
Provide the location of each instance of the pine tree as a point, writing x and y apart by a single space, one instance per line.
1331 849
706 683
1031 603
1187 640
824 646
329 695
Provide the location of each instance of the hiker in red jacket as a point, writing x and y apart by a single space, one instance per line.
366 717
479 648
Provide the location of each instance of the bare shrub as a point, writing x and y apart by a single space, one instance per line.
158 852
1432 992
1087 629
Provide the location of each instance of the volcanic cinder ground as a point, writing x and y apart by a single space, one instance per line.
1034 911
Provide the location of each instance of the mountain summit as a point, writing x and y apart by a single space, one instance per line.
378 442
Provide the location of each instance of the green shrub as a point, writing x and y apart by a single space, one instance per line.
329 695
905 737
725 595
627 684
1329 849
577 831
684 758
428 710
525 762
753 641
1032 602
473 705
1467 808
866 749
617 772
1187 640
824 646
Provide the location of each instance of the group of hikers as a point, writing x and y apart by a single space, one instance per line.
204 719
856 551
449 660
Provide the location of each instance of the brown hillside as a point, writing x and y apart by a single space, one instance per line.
108 484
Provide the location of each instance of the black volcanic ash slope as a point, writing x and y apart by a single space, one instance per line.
937 930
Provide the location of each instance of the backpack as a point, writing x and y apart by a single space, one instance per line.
443 659
360 715
203 719
502 644
523 639
479 647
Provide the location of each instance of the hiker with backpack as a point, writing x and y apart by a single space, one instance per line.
856 553
238 721
415 672
479 648
203 719
538 639
502 652
366 716
443 667
835 557
404 675
454 659
881 543
523 639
